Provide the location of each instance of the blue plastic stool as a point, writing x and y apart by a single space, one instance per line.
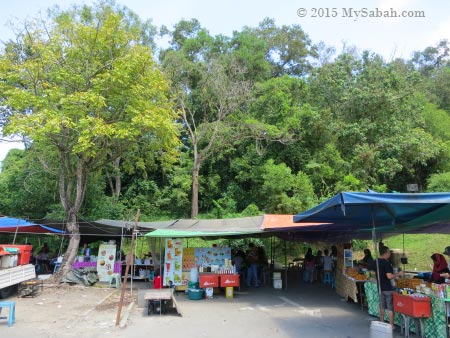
327 277
12 311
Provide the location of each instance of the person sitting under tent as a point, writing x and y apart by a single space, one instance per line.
43 260
440 267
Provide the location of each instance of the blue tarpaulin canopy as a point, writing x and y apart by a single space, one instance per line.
355 214
13 225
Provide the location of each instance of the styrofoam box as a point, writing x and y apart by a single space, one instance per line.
276 275
7 261
277 284
380 330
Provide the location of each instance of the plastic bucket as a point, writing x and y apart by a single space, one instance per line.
195 294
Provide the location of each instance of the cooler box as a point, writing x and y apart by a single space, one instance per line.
412 306
380 330
209 281
24 252
229 280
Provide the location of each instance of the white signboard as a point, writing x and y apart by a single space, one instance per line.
105 261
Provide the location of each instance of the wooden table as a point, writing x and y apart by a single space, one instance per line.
161 295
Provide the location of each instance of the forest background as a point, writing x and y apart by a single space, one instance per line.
268 122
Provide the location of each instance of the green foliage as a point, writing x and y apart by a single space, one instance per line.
85 89
439 182
251 210
26 189
349 183
272 122
286 192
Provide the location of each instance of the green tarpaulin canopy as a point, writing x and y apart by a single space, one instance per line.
172 233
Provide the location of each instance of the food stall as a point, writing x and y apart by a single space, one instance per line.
210 267
434 326
349 280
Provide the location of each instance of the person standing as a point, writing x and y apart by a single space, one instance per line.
252 259
238 260
310 265
386 274
327 262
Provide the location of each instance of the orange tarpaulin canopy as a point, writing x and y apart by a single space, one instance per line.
274 222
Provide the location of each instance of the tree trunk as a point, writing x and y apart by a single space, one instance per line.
195 173
72 209
118 185
72 250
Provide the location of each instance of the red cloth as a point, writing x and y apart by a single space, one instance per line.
440 265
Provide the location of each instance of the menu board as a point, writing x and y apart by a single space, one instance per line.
189 259
105 261
173 262
212 256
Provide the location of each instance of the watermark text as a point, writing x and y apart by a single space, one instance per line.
358 13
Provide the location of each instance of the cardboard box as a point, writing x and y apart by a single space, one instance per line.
209 280
412 306
229 280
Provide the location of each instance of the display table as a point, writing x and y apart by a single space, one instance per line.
348 287
434 326
77 265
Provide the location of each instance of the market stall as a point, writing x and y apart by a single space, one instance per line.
434 326
207 268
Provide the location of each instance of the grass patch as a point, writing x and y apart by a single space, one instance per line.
419 248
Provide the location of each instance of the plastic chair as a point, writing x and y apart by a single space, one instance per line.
327 277
115 280
12 311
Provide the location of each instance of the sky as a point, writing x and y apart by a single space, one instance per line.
334 22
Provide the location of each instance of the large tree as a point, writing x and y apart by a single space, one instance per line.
85 89
209 85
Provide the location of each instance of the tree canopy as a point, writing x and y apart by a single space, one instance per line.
85 89
263 120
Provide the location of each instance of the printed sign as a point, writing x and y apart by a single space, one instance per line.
105 261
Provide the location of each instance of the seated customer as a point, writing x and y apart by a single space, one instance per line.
43 259
440 267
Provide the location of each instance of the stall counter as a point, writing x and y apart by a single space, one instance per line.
435 326
348 287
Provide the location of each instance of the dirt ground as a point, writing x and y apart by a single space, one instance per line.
88 312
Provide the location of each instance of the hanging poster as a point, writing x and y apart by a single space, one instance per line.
105 261
212 256
173 259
